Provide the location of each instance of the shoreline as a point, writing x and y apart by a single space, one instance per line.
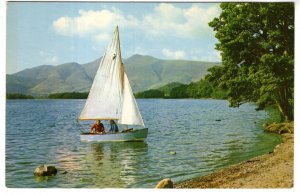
271 170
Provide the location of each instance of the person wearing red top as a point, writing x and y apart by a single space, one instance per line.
97 128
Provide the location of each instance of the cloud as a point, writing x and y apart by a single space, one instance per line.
213 56
140 50
165 22
93 23
63 25
173 54
102 37
181 22
48 58
165 19
210 56
207 53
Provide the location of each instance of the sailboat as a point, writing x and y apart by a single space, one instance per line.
111 98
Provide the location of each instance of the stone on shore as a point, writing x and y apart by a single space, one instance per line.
45 170
165 183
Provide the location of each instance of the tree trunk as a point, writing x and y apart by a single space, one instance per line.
286 111
285 107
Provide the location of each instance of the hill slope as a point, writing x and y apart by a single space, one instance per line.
144 72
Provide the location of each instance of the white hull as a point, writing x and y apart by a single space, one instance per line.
134 135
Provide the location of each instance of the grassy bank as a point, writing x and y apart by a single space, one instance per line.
280 128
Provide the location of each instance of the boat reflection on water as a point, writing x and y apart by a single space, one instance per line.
115 164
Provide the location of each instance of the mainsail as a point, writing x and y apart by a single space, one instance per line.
110 96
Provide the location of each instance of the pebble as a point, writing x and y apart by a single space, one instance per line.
165 183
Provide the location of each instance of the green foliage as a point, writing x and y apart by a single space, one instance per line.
68 95
199 89
256 41
152 93
179 92
18 96
218 93
168 87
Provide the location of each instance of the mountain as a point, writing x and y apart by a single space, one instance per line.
144 72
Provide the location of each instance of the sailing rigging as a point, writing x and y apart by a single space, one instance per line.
111 96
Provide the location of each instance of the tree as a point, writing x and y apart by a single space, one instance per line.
179 92
256 41
68 95
200 89
18 96
152 93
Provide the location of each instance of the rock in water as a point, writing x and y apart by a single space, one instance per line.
44 170
165 183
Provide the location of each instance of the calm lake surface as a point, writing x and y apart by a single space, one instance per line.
206 135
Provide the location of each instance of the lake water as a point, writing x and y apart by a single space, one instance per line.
206 135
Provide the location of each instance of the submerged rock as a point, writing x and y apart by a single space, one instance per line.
165 183
45 170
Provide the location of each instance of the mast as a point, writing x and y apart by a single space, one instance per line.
120 58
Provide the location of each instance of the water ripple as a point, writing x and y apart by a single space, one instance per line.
205 135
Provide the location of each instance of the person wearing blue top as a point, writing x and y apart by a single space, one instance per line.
113 127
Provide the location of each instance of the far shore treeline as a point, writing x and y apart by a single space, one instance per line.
18 96
68 95
200 89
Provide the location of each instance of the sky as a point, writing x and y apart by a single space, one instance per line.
53 33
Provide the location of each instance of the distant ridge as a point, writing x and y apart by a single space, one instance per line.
144 72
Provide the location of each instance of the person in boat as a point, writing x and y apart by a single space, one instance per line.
113 127
97 128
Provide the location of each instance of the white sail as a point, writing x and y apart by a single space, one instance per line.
106 94
130 111
111 96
